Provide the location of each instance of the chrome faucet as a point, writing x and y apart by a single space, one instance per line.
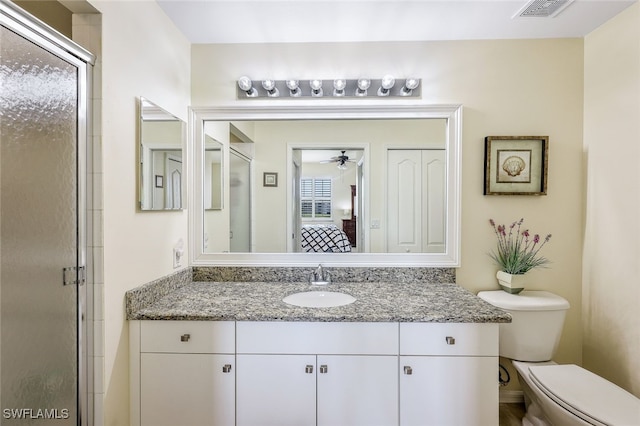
319 276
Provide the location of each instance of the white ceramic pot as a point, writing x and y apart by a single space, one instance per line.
511 283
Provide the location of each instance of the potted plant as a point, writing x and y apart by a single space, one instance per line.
517 253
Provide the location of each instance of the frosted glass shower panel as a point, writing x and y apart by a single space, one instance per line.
38 234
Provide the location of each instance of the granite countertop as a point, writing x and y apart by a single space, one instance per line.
376 302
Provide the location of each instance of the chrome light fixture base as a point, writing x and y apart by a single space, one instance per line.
338 88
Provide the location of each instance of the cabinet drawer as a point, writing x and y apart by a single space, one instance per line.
478 339
317 338
187 336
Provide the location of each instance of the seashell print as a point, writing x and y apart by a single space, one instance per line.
513 165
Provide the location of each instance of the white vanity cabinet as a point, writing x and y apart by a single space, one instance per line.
448 374
317 374
185 373
313 373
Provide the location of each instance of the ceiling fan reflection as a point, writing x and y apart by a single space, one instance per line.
341 159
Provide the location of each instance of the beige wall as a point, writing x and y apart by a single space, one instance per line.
53 13
143 54
514 87
611 271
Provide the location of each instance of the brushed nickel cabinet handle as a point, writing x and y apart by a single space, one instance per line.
408 370
451 340
185 337
226 368
308 369
324 369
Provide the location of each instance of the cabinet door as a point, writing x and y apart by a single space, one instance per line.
443 391
276 390
357 390
187 389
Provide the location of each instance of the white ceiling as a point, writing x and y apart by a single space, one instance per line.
308 21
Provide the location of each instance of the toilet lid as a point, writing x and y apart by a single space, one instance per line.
587 395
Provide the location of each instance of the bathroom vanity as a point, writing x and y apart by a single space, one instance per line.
233 353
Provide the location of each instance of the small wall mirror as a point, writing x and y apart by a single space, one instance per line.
162 138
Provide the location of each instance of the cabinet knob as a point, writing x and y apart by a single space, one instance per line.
324 369
408 370
308 369
185 337
451 340
226 368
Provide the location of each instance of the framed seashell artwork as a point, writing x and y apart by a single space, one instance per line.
516 165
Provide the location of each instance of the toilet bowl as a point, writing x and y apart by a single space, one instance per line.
555 394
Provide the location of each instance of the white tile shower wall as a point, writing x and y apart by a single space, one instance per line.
87 29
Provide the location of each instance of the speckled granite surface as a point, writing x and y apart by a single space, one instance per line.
342 274
154 291
262 301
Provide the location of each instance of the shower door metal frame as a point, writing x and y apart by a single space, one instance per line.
27 26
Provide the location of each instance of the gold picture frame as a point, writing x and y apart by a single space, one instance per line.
516 165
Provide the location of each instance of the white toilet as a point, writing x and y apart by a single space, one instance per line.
555 394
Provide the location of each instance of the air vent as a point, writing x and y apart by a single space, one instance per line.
543 8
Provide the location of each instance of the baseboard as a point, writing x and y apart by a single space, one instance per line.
511 396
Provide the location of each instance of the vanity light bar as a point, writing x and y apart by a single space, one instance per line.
386 87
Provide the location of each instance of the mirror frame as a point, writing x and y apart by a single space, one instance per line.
453 115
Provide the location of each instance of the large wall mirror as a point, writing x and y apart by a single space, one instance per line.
161 145
357 185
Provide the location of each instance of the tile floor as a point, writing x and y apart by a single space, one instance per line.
511 414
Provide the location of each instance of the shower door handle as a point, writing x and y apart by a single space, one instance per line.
73 275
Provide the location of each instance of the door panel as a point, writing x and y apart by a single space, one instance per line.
39 233
276 390
357 390
240 203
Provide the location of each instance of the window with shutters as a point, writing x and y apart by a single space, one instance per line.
315 198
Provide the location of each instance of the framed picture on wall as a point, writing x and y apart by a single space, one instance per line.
270 179
159 181
515 165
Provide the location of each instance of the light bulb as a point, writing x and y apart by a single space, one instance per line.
363 85
246 85
409 85
338 87
270 87
316 88
294 89
385 85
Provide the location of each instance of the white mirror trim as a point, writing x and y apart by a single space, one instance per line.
453 114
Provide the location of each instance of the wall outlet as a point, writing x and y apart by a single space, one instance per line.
177 257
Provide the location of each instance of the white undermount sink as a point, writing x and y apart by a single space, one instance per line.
319 299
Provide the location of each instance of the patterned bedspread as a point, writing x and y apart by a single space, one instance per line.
324 239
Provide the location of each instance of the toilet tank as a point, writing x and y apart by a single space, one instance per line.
536 326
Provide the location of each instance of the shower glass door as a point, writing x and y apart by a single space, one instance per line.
40 233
